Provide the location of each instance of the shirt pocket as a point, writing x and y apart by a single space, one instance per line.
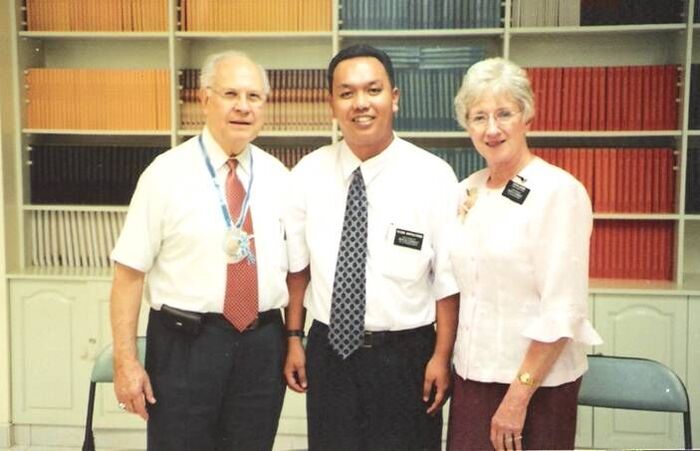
405 253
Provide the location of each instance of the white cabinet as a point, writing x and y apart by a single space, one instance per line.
54 341
57 330
653 327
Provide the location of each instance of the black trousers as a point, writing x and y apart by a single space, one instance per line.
373 400
219 390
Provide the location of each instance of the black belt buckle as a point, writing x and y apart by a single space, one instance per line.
367 341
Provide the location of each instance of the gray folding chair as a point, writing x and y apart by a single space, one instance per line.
635 384
102 371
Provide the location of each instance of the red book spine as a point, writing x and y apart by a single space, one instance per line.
600 170
556 96
636 98
586 105
567 105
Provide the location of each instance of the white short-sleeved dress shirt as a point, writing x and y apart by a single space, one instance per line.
174 230
410 192
522 272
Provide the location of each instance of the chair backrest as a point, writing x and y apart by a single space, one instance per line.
635 384
632 383
102 370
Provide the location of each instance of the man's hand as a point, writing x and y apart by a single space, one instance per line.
133 387
437 375
295 366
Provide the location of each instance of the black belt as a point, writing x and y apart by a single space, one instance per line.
191 321
263 319
372 339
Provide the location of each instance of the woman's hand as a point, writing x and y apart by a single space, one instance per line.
508 421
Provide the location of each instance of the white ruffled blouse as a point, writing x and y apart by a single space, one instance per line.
522 271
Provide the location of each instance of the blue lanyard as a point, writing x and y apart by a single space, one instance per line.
222 203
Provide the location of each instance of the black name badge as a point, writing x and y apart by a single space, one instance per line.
516 192
406 238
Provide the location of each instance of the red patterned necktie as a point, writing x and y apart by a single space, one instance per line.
241 298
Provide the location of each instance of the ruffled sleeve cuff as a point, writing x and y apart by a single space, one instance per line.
550 327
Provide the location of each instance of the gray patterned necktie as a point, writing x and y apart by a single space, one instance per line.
349 284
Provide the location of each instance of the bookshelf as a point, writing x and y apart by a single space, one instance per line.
179 41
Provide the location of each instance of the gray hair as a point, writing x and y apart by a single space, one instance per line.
496 76
206 76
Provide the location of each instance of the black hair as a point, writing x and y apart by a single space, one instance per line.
357 51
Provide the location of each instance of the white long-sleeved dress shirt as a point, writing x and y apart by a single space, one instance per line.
522 272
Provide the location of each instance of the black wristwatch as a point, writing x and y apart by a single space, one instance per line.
295 333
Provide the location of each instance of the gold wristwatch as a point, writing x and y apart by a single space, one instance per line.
526 379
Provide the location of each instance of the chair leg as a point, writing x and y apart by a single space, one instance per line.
89 441
687 430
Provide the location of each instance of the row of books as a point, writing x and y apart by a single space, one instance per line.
618 180
464 160
297 100
694 98
546 13
91 15
426 99
289 156
692 182
606 98
86 175
419 14
434 57
118 99
315 15
74 239
569 98
632 250
254 15
561 13
621 180
619 249
428 78
626 12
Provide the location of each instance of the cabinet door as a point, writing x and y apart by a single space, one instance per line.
649 327
54 342
692 382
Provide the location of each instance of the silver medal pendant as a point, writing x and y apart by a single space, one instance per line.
232 245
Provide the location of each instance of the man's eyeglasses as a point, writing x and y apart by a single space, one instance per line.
501 117
232 96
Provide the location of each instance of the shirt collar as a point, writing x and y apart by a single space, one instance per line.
219 158
370 168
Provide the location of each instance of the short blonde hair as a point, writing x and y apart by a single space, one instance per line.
496 76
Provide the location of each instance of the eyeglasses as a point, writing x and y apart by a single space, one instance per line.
231 96
501 117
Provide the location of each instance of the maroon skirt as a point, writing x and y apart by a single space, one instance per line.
550 422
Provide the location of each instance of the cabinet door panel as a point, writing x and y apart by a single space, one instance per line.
648 327
53 342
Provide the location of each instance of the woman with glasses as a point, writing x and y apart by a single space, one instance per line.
521 261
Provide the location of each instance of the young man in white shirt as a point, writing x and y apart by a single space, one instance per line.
375 369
